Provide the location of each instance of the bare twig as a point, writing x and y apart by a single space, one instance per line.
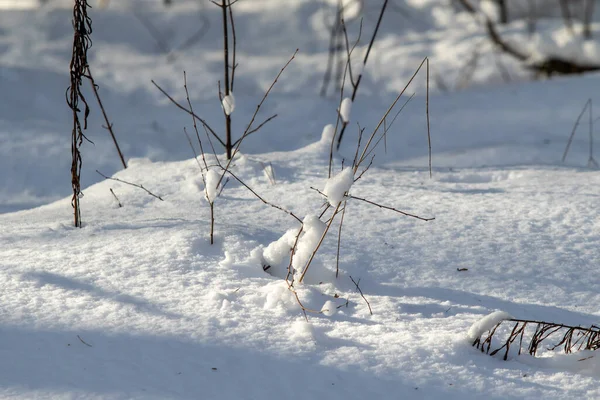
390 208
248 128
333 48
108 126
361 293
257 128
202 121
339 242
84 342
347 71
116 198
428 125
573 338
82 28
367 147
587 104
187 96
130 184
366 58
312 256
261 198
224 5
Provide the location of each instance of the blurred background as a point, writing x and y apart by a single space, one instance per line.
528 66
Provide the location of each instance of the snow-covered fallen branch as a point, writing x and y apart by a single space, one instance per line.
529 335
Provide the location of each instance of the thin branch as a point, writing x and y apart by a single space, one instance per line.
391 208
428 125
131 184
335 29
587 104
358 80
388 127
82 341
367 146
361 294
339 242
234 38
257 128
246 132
108 126
187 96
116 198
312 256
260 198
204 123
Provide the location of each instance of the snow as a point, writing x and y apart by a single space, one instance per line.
338 186
138 304
345 109
212 178
228 104
486 323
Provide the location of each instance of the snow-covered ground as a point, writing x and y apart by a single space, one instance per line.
138 304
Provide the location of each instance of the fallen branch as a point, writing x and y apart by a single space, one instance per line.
572 338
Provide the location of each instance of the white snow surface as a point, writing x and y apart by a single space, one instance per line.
138 305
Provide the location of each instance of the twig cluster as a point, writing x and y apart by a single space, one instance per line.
82 27
529 335
79 69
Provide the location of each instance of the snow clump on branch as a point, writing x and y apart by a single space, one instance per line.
337 186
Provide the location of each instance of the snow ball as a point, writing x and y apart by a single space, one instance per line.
337 186
228 104
345 109
329 308
211 180
352 9
486 323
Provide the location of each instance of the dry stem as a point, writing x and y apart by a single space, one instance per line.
130 184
